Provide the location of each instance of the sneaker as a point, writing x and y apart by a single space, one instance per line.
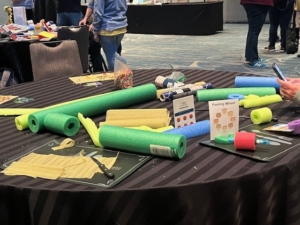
257 64
262 60
282 49
270 48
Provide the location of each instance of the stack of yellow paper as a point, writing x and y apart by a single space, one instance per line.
56 166
154 118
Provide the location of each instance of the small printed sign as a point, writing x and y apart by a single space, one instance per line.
184 111
224 117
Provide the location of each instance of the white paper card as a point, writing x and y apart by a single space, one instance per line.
184 111
224 117
20 15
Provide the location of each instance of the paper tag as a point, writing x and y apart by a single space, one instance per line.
184 111
161 150
224 117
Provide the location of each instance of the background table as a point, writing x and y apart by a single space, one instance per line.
207 186
199 18
16 55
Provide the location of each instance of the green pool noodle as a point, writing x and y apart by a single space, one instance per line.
222 93
62 124
97 105
261 101
22 120
143 142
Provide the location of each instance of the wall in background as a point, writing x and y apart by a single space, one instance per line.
3 15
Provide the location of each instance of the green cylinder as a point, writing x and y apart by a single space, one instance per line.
143 142
222 93
96 105
62 124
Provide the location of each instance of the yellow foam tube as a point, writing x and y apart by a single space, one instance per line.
91 128
22 121
17 111
262 115
261 101
158 130
161 91
150 122
121 114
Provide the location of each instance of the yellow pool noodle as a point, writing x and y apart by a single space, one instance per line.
261 101
91 128
17 111
158 130
262 115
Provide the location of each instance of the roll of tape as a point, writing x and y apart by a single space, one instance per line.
294 125
262 115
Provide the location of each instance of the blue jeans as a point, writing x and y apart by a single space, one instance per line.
110 45
256 15
68 19
282 18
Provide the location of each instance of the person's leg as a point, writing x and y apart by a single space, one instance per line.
256 15
119 50
61 19
274 16
285 19
74 18
110 45
94 51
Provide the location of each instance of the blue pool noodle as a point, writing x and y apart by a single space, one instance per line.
193 130
244 81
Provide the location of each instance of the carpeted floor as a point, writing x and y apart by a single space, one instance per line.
223 51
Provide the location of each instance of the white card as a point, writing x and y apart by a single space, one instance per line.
20 15
224 117
184 111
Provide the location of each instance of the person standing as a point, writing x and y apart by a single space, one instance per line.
110 22
29 7
68 12
280 15
256 11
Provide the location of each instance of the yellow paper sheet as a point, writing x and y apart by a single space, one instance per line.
150 122
56 166
121 114
34 170
92 78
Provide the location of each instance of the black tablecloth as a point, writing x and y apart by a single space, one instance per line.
207 186
16 55
199 18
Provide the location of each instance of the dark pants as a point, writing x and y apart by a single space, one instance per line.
256 15
280 17
96 57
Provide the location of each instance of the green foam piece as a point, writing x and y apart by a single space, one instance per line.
261 101
143 142
97 105
222 93
62 124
